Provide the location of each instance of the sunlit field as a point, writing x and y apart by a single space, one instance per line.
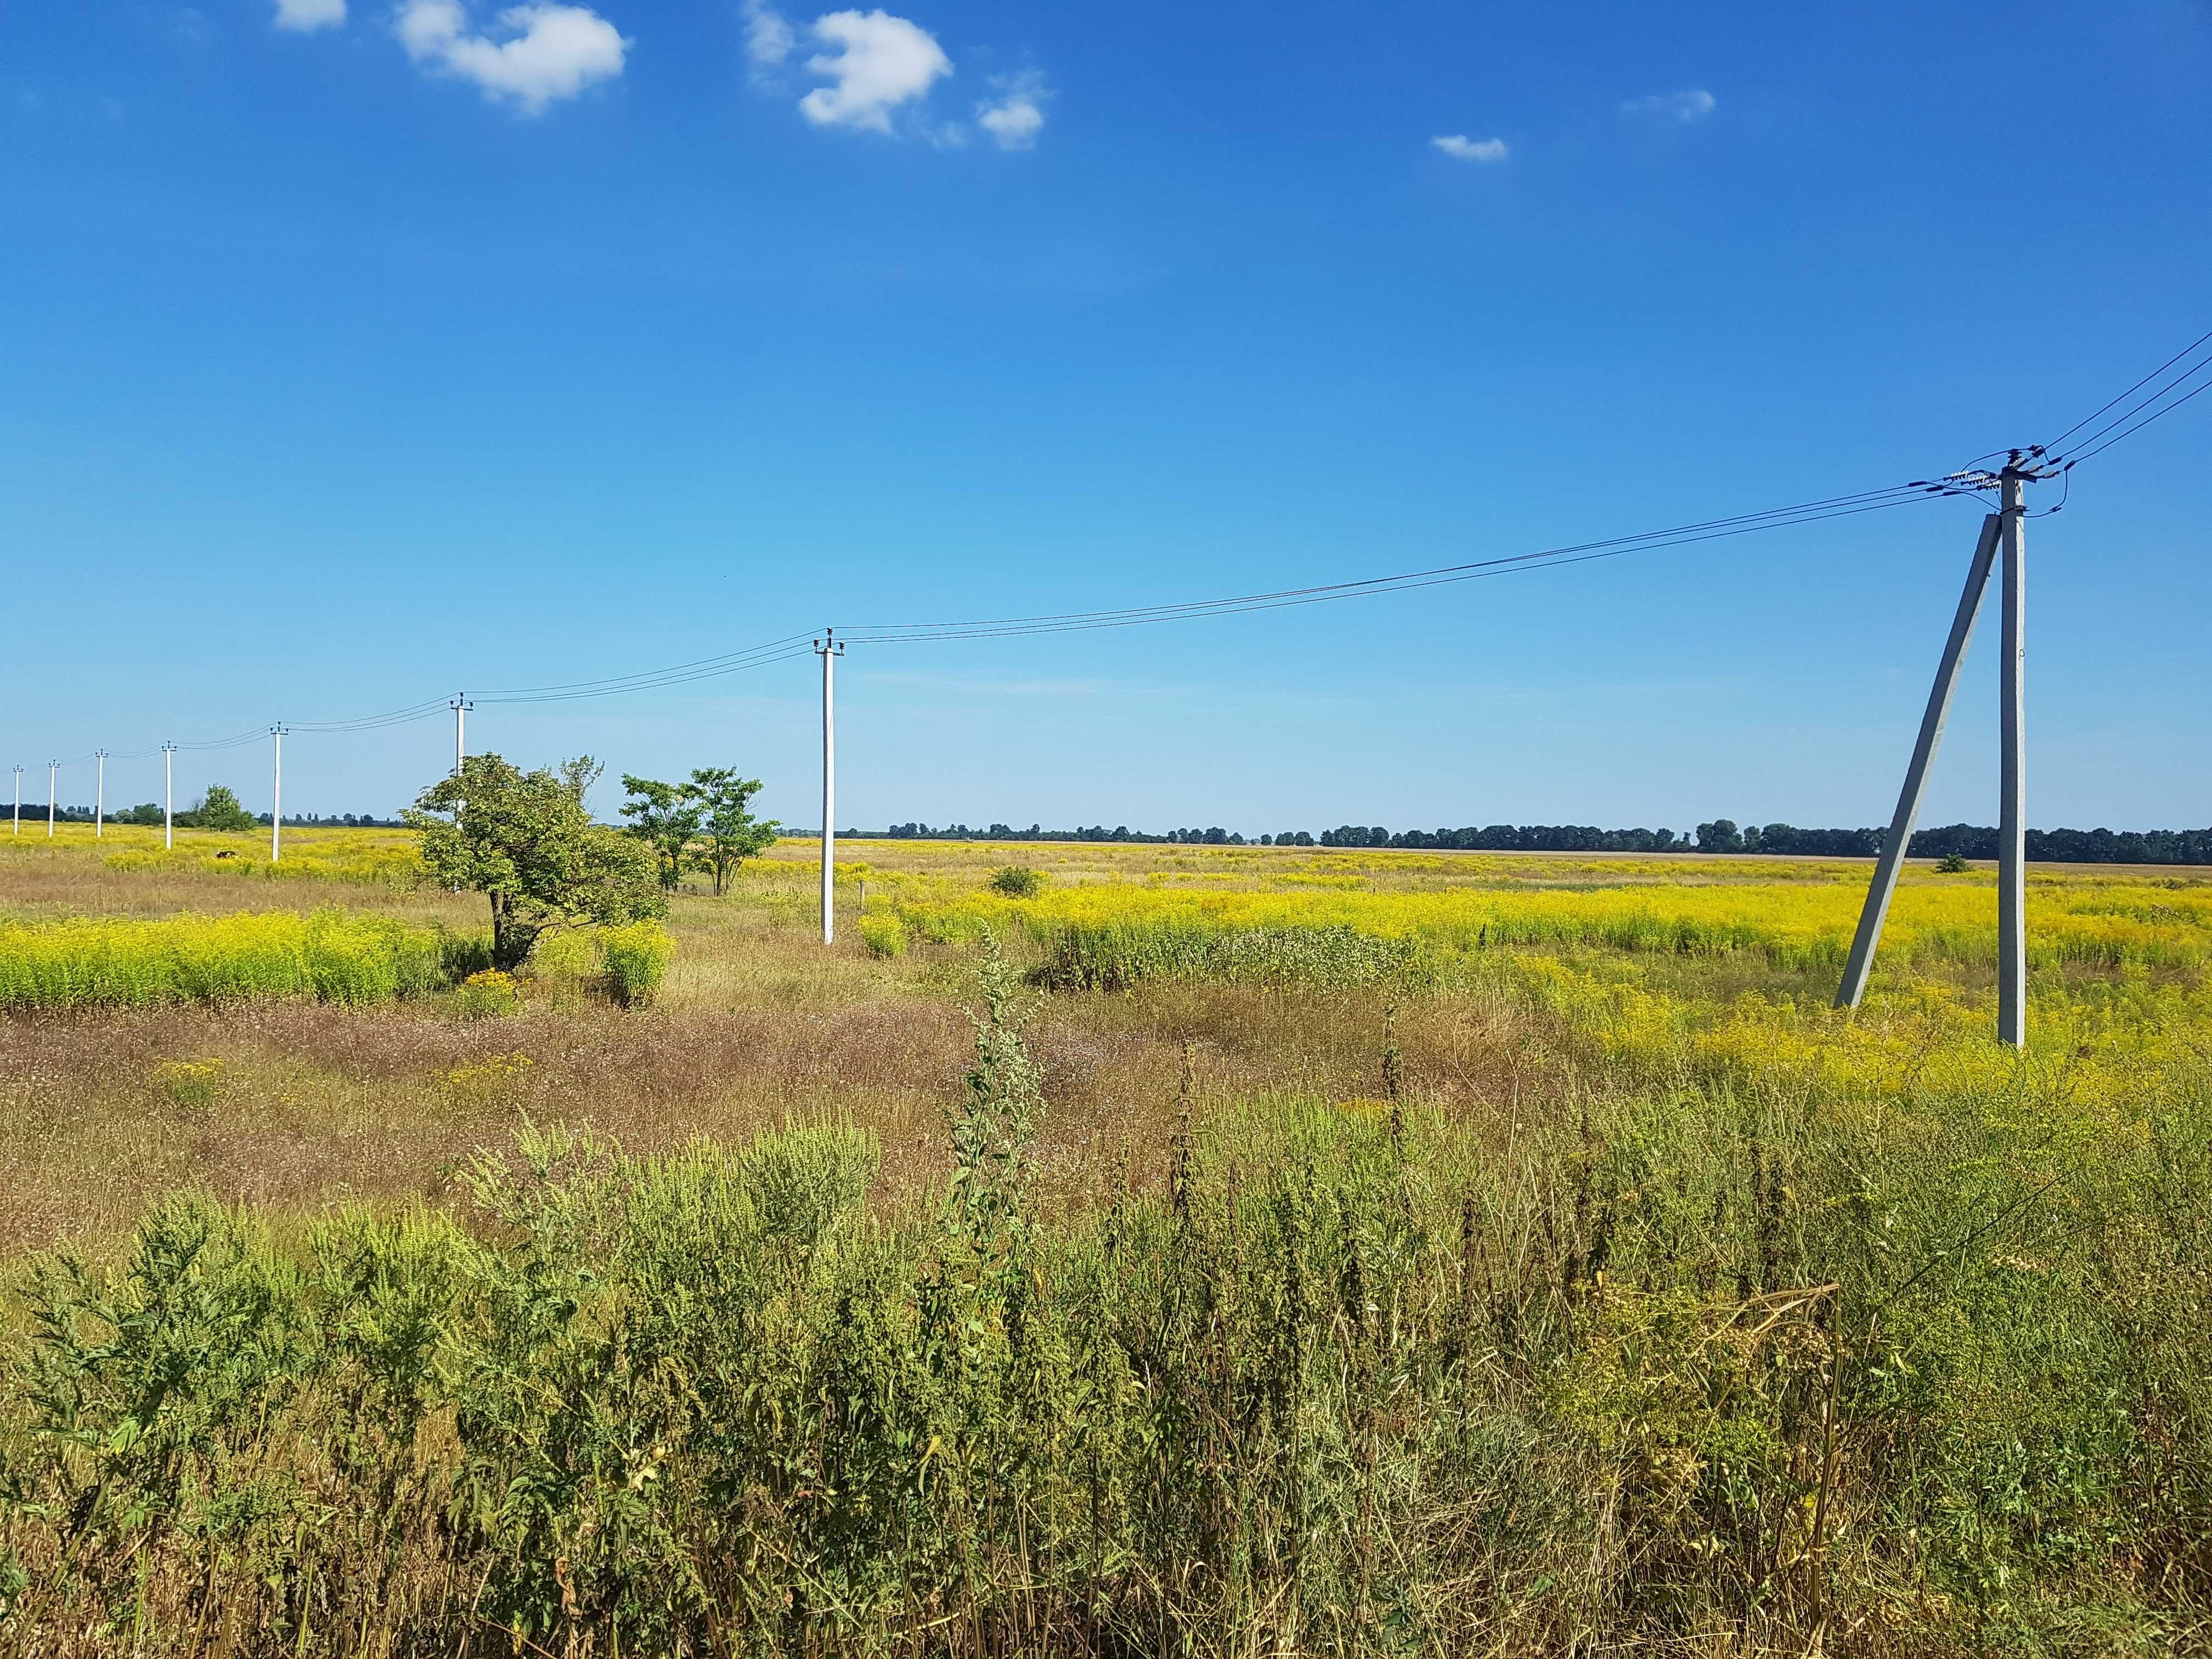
1298 1249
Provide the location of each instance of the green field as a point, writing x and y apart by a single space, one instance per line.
1216 1251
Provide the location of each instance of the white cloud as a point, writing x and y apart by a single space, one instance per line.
552 50
768 37
1459 146
880 63
308 16
1014 114
1681 107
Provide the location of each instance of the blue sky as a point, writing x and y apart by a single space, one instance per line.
358 352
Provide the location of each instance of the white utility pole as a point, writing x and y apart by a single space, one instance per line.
2002 532
828 648
1899 838
52 767
19 800
460 705
168 795
276 799
2011 807
100 795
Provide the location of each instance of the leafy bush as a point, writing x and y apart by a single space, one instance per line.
219 809
637 958
1017 881
490 994
883 935
1953 864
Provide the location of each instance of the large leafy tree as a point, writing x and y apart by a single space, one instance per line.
666 817
728 833
218 809
525 840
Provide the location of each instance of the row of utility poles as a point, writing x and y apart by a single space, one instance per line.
2003 531
460 704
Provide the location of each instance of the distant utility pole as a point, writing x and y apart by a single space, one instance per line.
52 767
168 795
100 794
460 705
19 800
2001 531
276 799
828 648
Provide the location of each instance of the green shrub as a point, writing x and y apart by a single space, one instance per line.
883 935
1017 881
490 994
637 958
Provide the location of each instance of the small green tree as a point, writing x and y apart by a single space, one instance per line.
525 841
219 809
666 817
728 832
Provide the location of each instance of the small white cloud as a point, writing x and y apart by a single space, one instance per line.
879 62
1681 108
305 16
768 38
1462 148
551 51
1014 113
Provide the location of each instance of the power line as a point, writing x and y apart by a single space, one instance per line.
2046 448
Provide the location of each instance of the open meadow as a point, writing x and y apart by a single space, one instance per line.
1177 1249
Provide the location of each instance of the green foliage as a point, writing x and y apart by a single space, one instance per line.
147 814
666 817
335 955
1017 881
218 809
1118 956
636 959
1696 1366
1951 864
883 934
489 994
525 841
729 833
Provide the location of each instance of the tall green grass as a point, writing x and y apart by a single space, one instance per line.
337 955
1673 1369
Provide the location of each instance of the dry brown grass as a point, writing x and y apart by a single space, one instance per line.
320 1104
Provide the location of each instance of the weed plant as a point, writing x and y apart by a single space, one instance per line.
337 955
1686 1365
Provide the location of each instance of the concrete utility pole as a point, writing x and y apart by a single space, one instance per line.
460 705
100 794
1899 838
2003 531
829 649
276 799
52 767
2012 810
19 800
168 795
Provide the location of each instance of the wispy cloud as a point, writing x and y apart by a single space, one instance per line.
305 16
874 63
548 51
769 38
1014 113
1462 148
1679 107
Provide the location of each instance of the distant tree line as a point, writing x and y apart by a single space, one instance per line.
1719 836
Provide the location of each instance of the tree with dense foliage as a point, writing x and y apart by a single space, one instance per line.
218 809
727 834
666 817
526 842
